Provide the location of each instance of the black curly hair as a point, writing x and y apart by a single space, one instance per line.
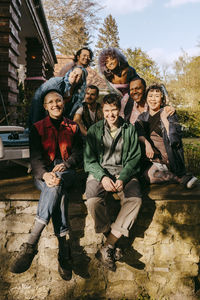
157 86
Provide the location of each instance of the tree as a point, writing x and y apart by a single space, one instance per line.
143 64
184 85
76 28
108 35
71 23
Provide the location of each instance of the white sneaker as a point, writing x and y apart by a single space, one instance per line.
192 182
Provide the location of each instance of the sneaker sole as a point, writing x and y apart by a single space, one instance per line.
192 183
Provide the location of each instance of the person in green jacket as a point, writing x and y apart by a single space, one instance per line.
112 158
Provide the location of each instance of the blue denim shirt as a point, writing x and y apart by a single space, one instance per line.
62 85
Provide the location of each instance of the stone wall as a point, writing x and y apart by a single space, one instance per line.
161 257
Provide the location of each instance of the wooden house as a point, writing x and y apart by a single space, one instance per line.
25 42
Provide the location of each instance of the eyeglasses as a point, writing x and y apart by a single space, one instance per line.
51 102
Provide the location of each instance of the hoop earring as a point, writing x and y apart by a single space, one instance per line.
108 71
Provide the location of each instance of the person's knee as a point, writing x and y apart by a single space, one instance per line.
132 189
138 201
133 201
55 191
94 189
93 203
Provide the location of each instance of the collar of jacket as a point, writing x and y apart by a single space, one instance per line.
65 122
122 123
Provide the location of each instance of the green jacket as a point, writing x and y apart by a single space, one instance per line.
93 154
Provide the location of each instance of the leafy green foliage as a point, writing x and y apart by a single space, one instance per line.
143 64
184 85
71 23
192 158
23 106
75 27
144 296
108 35
190 121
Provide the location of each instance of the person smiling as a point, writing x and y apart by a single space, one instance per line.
112 157
160 133
72 88
83 58
118 73
136 104
55 150
90 112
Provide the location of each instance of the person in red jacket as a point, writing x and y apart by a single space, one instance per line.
55 150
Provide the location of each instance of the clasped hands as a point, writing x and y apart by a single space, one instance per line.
110 186
50 178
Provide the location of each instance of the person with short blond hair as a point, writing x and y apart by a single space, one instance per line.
55 151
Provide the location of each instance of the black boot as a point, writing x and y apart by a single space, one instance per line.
24 258
64 262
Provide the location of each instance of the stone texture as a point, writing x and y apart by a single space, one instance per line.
161 257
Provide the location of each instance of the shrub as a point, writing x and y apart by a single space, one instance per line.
190 121
192 158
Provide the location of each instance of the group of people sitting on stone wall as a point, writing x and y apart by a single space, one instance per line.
131 136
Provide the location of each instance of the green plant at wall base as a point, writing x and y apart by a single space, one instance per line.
23 107
144 297
192 158
147 297
190 121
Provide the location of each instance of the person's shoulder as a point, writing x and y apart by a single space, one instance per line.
129 126
68 122
99 123
50 84
54 80
143 116
79 111
96 126
42 121
131 69
99 105
66 68
132 73
41 124
126 124
173 117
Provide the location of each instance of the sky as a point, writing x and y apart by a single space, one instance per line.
161 28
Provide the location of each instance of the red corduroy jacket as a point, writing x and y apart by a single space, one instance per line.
50 137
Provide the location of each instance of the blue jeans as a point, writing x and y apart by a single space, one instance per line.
54 202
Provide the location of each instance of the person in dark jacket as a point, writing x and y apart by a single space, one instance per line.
160 134
112 158
55 150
